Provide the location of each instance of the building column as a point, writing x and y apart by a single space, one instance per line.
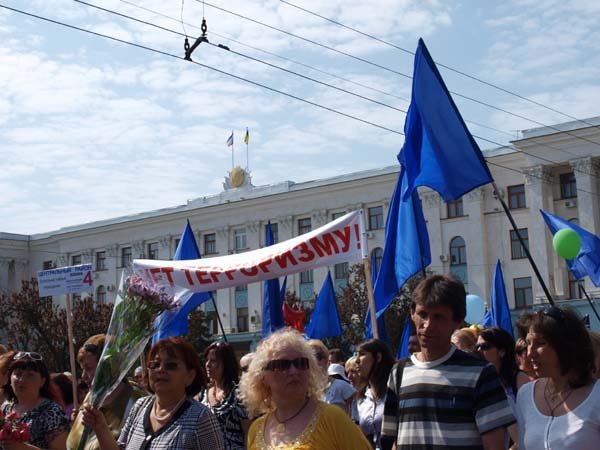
478 264
4 268
431 202
538 188
225 297
255 234
318 218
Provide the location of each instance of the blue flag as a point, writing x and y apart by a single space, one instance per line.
438 151
499 313
177 320
380 320
325 320
587 261
406 250
272 312
403 348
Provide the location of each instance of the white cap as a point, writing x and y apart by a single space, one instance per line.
337 369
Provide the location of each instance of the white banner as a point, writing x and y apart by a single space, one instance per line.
65 280
342 240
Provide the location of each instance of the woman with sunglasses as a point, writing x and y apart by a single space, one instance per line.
560 409
115 407
374 362
223 373
30 395
169 419
285 384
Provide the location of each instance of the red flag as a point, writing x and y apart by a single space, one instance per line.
293 317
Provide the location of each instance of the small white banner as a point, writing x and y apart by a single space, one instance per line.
342 240
65 280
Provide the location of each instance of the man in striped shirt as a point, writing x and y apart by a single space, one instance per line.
441 397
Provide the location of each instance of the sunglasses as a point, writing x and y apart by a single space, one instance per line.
483 346
92 348
27 355
281 365
555 313
169 366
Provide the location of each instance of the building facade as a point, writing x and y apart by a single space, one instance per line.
556 169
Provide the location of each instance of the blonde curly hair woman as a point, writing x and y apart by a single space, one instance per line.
285 384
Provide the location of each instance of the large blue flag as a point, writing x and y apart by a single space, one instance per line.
177 320
587 261
273 302
438 151
406 251
325 320
499 313
381 319
403 347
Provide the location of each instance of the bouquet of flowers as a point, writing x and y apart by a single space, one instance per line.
13 430
139 302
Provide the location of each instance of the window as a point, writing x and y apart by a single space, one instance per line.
304 226
126 256
455 208
306 277
75 260
337 215
458 251
377 254
241 288
101 294
576 287
568 185
523 292
153 250
239 237
100 260
242 320
177 240
341 271
516 249
274 231
47 265
210 244
516 196
376 218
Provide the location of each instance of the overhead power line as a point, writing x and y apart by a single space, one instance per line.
460 72
164 53
349 55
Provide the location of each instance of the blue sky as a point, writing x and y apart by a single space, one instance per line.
92 129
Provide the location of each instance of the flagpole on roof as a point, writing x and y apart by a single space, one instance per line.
525 247
232 150
247 140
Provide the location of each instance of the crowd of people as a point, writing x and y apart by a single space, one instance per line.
461 387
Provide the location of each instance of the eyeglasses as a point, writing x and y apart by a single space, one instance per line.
169 366
27 355
92 348
483 346
281 365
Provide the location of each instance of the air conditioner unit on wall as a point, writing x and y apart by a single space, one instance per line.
444 258
571 203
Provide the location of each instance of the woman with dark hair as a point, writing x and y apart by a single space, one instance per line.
30 395
560 409
498 347
116 405
169 419
5 361
374 362
65 388
223 371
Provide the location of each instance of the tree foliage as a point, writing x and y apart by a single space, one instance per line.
35 323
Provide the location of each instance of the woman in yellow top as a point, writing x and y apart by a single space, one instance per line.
285 384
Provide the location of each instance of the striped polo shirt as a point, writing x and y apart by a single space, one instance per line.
446 403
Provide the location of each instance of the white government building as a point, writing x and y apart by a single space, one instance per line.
555 168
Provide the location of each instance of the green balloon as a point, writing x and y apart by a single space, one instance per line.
566 243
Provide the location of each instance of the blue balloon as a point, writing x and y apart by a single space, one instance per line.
475 309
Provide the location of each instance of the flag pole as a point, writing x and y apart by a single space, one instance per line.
367 268
525 247
247 140
232 149
72 352
590 302
218 317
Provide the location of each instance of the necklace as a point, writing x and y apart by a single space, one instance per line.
171 411
562 398
280 428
